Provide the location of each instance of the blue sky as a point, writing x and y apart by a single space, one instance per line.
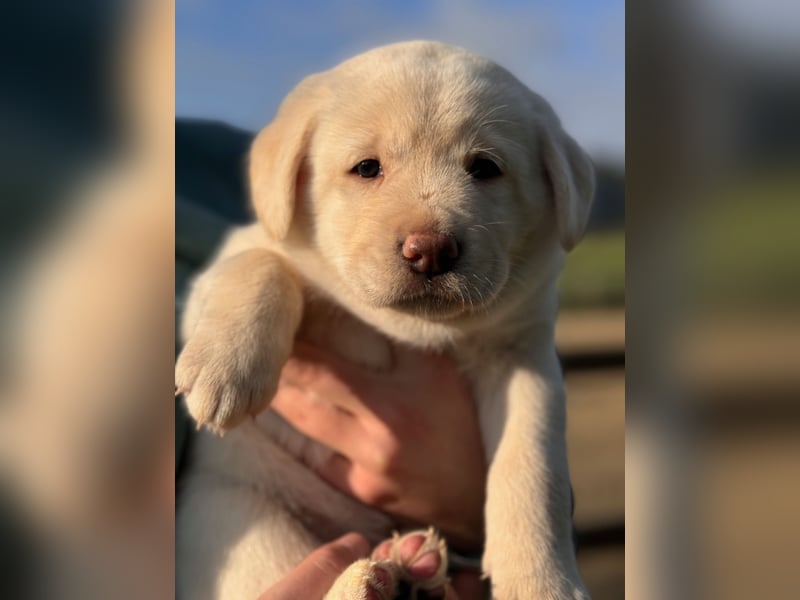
236 59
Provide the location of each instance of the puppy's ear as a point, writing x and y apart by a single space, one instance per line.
277 155
572 179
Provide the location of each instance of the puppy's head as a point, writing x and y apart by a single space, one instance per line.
426 176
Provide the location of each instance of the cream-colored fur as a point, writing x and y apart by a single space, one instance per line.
324 263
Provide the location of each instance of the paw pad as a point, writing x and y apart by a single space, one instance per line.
421 560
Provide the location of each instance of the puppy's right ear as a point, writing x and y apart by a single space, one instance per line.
571 175
277 155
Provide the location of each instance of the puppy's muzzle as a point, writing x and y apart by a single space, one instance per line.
430 253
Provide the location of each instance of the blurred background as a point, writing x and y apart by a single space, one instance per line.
235 61
713 318
86 299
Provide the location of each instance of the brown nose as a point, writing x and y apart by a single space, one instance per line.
430 253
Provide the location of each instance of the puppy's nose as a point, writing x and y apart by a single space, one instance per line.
430 253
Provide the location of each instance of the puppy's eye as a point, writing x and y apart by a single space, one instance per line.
483 168
368 169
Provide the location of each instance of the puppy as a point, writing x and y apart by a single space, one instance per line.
416 193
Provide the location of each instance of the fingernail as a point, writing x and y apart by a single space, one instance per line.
355 542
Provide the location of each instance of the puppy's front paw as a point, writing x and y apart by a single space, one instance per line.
224 381
527 590
420 558
517 578
409 563
552 586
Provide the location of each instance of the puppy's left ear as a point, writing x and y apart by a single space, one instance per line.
277 155
572 180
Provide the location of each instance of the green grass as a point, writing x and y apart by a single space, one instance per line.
745 242
737 246
594 274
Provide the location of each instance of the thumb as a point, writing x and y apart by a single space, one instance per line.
316 573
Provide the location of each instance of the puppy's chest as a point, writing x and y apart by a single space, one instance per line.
329 326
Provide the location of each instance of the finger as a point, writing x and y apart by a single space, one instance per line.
314 576
327 376
309 413
321 420
354 480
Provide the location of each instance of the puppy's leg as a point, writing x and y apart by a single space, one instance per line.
529 550
244 314
233 542
366 579
416 561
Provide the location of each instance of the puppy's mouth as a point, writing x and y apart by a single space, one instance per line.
444 284
444 296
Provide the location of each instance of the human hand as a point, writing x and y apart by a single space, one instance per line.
313 577
406 441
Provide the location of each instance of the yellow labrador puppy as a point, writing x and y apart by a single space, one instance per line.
415 193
